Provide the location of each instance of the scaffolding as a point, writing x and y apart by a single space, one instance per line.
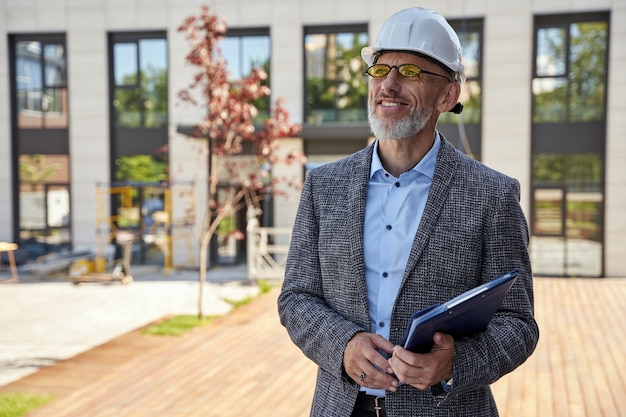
139 217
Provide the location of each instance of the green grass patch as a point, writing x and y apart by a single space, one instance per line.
16 405
176 325
235 304
264 287
179 325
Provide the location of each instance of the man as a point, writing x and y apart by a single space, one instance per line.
404 223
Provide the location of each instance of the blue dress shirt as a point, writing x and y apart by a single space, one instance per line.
393 212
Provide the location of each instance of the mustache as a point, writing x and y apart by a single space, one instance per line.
385 96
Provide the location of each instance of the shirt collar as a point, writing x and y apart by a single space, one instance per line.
426 166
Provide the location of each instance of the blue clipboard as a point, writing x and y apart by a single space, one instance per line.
464 315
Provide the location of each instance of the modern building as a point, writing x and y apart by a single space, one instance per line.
89 98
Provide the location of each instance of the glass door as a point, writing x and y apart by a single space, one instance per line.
567 232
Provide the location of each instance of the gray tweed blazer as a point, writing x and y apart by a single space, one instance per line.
472 230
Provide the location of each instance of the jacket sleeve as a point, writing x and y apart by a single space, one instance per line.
320 330
512 335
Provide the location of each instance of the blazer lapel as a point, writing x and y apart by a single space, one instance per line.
447 162
358 178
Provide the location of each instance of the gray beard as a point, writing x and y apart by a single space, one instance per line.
384 130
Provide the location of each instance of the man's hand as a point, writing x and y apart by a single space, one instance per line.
424 370
364 363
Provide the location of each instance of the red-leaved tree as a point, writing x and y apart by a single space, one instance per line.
228 124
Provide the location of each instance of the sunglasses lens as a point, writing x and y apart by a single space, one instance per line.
409 70
378 70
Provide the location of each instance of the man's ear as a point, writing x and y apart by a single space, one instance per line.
451 97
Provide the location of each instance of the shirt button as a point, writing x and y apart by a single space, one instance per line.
388 227
385 275
381 324
398 184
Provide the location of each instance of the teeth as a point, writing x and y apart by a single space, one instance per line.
389 104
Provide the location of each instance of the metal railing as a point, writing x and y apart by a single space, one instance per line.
267 249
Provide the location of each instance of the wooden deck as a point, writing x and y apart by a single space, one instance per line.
244 364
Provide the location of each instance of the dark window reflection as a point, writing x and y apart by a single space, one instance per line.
44 196
551 58
140 77
125 66
464 130
40 71
336 87
568 202
570 73
471 91
54 60
244 50
142 168
568 97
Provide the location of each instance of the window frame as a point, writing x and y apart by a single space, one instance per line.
255 32
473 130
315 129
34 141
581 138
128 141
43 40
546 136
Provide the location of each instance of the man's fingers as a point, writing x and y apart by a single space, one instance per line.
424 370
365 364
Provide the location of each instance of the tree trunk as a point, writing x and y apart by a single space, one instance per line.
209 229
204 248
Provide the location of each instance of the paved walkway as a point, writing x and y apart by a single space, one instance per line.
244 364
46 320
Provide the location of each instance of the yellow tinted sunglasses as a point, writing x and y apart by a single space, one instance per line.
406 70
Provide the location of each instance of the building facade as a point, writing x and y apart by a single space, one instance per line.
92 133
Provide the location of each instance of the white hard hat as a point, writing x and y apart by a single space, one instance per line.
423 31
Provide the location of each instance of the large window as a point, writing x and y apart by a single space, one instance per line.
245 49
138 85
464 130
570 72
140 80
44 199
336 87
568 144
138 93
40 83
40 143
